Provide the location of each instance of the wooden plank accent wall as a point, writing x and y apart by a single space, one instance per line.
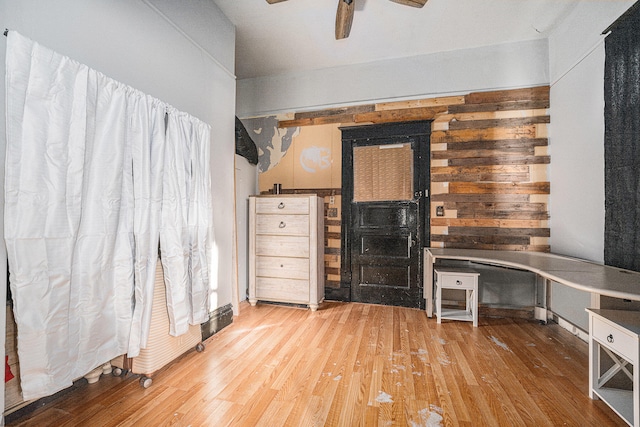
488 172
488 164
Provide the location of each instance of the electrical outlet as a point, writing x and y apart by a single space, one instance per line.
439 210
332 200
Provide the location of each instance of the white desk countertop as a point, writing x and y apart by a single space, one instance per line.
578 273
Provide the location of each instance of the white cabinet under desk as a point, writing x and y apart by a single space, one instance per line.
286 249
462 279
614 353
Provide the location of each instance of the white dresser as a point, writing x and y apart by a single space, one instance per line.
286 249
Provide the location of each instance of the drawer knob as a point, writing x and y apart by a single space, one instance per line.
610 338
281 205
459 282
282 224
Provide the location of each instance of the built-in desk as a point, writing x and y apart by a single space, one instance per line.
577 273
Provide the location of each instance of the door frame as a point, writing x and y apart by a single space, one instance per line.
420 132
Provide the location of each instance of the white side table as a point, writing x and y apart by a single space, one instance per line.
617 334
457 278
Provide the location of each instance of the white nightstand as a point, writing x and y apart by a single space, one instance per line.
457 278
617 334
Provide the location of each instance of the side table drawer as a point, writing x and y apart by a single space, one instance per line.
456 280
614 338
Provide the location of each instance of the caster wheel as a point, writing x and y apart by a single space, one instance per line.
146 382
200 347
116 372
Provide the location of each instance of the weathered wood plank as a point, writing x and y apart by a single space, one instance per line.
483 153
333 222
484 197
294 123
498 214
343 111
494 123
532 248
485 222
420 103
501 160
526 94
347 118
499 231
489 115
409 114
446 170
331 251
483 134
499 106
485 240
498 206
482 176
498 143
500 188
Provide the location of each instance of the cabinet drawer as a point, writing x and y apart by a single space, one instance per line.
289 268
285 290
286 246
456 280
282 205
282 224
616 339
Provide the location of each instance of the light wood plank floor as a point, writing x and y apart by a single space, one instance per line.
352 364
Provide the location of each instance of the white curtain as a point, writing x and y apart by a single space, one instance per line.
84 204
185 221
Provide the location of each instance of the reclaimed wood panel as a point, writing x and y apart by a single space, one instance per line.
419 103
500 187
344 111
406 115
494 123
487 162
526 94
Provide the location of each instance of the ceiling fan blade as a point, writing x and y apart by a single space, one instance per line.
344 18
274 1
414 3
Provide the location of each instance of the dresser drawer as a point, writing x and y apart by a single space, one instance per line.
282 205
282 224
615 338
288 268
286 246
285 290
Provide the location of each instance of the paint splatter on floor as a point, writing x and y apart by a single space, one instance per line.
429 417
384 398
338 378
444 360
499 343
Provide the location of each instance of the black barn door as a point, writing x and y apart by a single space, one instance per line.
385 212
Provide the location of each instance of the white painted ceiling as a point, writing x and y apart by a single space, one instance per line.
298 35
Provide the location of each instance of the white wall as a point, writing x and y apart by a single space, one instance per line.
505 66
182 54
246 185
576 139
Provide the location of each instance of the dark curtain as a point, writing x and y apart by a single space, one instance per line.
622 142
